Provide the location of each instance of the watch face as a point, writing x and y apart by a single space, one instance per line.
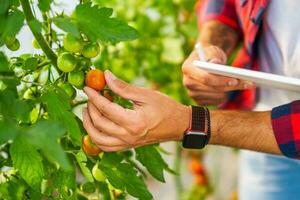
194 140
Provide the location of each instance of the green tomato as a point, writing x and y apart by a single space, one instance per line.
72 43
66 62
68 88
76 78
35 44
8 40
84 63
91 50
14 46
98 174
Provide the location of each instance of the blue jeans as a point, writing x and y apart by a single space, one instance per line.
268 177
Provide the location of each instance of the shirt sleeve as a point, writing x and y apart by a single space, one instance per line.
221 10
286 127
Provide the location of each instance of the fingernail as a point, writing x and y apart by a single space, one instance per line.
233 82
109 75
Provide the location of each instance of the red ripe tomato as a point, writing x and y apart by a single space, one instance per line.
196 167
89 147
95 79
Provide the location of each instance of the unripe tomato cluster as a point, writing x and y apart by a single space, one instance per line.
75 61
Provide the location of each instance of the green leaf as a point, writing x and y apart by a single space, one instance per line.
67 25
8 131
13 24
22 109
124 176
12 189
44 5
60 109
31 63
81 160
104 189
152 160
45 135
62 180
4 6
97 24
8 104
3 63
27 161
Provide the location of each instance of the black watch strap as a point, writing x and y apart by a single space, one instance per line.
208 131
198 134
198 119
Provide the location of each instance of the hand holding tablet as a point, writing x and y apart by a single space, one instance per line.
259 78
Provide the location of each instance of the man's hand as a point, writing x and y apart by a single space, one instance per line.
206 88
157 118
154 118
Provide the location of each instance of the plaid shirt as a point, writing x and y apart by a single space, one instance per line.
246 16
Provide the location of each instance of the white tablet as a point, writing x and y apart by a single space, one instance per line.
259 78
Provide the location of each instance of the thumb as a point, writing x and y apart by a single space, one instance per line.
121 88
214 52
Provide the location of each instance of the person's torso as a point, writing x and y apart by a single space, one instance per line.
264 176
279 49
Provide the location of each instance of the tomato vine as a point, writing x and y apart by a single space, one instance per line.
41 153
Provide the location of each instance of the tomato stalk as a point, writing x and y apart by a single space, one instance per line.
38 36
177 168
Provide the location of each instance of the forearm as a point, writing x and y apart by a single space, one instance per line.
217 34
244 130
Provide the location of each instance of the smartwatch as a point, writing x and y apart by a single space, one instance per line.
198 135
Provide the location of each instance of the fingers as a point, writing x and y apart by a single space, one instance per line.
102 123
209 102
110 110
193 84
213 54
122 88
207 78
98 137
207 95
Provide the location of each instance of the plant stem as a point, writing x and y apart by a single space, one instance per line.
177 167
77 103
38 36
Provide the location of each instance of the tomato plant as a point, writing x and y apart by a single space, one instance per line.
41 152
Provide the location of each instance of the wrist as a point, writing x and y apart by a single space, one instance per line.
184 124
215 117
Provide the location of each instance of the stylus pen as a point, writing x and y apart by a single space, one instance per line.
200 51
